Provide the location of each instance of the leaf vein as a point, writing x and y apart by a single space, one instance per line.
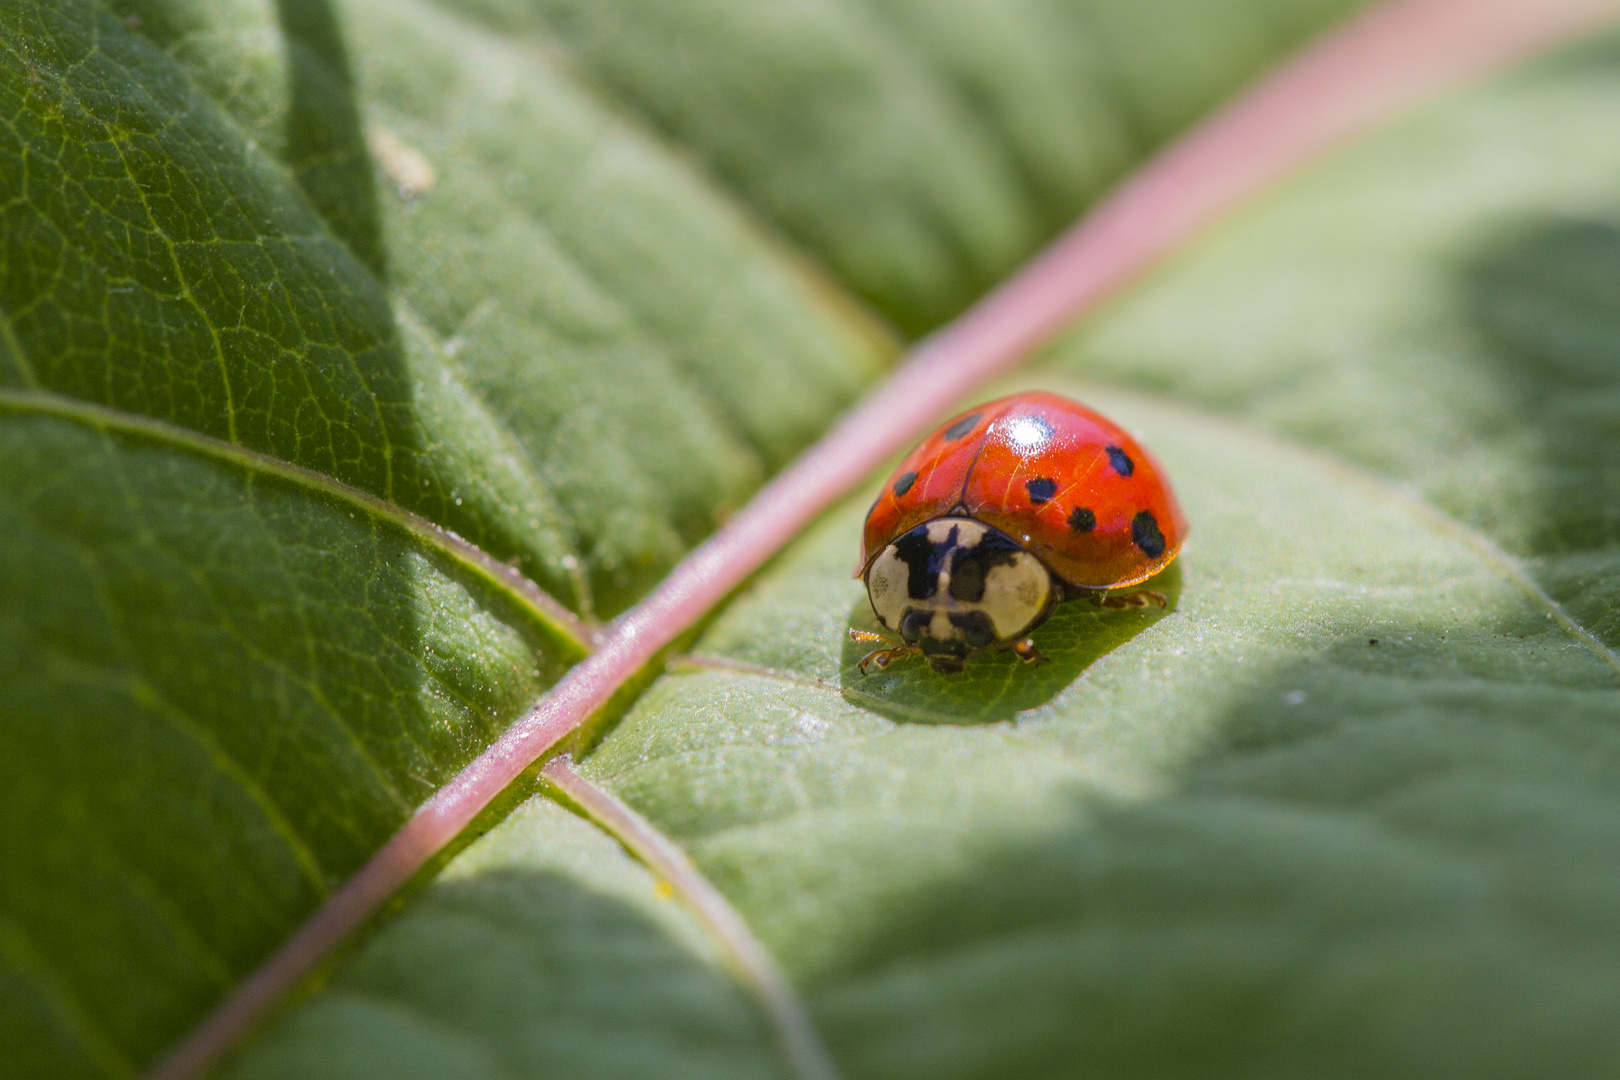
19 952
748 959
542 607
11 349
182 723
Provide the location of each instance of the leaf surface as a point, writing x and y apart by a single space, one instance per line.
544 950
1435 306
1347 806
238 648
224 686
299 303
920 150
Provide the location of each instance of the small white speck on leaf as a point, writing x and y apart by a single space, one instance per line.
405 165
1294 697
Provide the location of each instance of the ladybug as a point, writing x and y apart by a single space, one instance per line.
1004 512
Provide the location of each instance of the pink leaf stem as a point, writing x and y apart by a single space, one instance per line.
1374 66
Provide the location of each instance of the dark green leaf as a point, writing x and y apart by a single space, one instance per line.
224 686
226 678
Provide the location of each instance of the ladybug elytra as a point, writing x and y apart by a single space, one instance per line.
1005 511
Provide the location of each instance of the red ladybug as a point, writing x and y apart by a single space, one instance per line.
1005 511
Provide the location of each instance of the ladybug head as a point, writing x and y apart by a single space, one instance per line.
955 586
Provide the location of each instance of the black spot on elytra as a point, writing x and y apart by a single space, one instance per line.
924 560
977 629
1145 532
903 483
1041 489
971 566
1121 461
963 426
1082 520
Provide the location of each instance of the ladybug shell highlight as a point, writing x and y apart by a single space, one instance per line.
1064 482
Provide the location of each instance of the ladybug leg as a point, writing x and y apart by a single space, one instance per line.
1129 600
882 657
1027 652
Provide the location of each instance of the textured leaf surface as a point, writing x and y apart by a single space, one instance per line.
920 149
1240 839
223 688
1348 806
1436 305
518 392
286 289
227 678
542 951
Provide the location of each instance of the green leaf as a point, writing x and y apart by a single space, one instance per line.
539 378
1436 305
1246 832
921 150
1349 806
236 650
225 684
328 333
542 951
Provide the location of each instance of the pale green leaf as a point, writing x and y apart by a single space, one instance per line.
1246 840
1438 305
